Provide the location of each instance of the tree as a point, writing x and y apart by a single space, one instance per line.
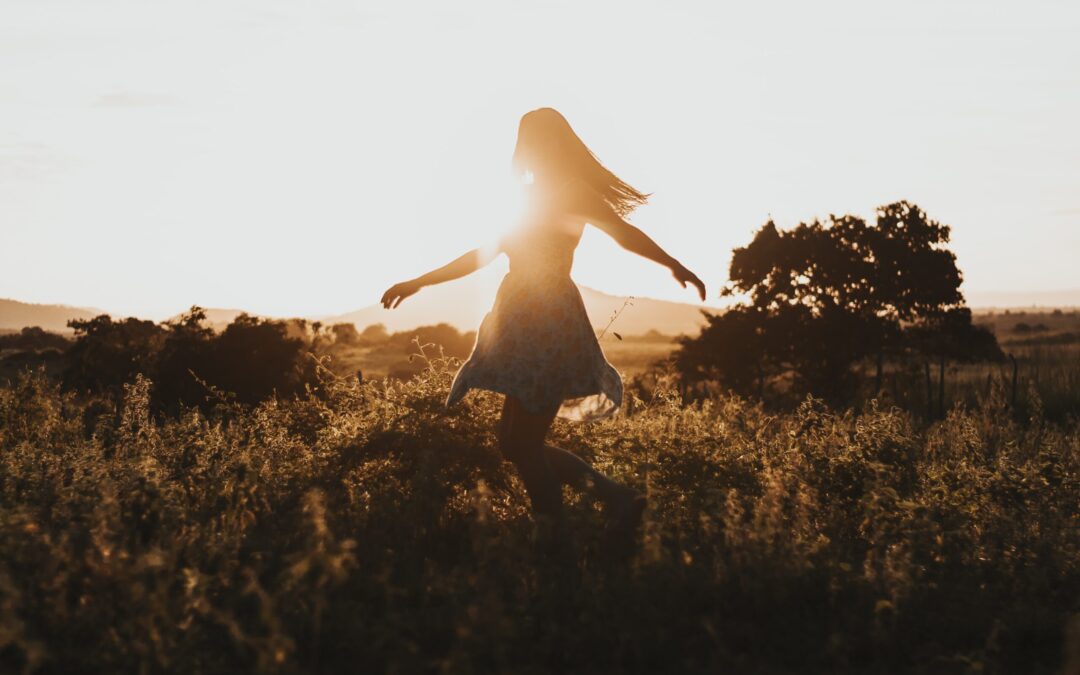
256 358
442 336
106 353
375 334
252 358
704 359
823 297
345 334
186 357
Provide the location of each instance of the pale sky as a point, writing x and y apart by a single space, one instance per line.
299 157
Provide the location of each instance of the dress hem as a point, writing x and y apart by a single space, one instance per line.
461 386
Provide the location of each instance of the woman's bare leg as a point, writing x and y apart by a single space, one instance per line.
579 474
521 440
543 468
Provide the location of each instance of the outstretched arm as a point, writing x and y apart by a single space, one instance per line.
634 240
463 265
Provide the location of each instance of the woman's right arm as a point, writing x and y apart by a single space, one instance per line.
463 265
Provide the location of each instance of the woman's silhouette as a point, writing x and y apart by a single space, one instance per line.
537 346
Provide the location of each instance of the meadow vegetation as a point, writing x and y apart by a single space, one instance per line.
848 472
358 526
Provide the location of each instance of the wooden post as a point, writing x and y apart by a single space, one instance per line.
880 372
941 387
929 392
1016 368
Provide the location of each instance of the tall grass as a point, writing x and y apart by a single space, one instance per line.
1034 377
363 528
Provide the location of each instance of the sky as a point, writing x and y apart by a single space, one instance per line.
297 158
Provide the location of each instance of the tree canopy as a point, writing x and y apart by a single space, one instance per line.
826 295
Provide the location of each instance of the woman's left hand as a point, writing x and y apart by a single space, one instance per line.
685 276
398 292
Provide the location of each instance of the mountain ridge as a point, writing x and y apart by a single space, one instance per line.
463 305
16 315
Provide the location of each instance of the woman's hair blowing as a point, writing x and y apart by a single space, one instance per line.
546 143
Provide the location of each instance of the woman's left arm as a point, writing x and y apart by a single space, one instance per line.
634 240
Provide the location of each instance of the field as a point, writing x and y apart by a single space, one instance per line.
1042 367
635 354
1044 343
631 355
362 528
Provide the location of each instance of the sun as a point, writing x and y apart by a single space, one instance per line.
504 208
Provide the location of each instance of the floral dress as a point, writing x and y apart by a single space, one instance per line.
537 343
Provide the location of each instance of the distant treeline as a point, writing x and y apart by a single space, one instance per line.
33 338
192 365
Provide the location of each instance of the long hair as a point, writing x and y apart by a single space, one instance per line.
546 144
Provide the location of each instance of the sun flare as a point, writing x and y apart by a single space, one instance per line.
502 212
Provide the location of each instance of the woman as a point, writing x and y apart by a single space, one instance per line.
537 346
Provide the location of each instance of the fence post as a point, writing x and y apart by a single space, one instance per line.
941 387
880 372
929 392
1016 368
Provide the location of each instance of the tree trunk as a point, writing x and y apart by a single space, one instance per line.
880 373
941 387
929 392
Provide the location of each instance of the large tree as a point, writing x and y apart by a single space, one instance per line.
185 358
824 296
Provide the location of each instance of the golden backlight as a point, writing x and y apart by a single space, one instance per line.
305 155
499 215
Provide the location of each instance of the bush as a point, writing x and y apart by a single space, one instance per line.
252 359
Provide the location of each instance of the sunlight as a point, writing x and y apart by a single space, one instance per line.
500 212
295 347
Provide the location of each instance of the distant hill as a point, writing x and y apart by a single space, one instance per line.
15 315
1022 299
463 306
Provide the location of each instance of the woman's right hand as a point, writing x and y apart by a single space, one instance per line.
398 292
